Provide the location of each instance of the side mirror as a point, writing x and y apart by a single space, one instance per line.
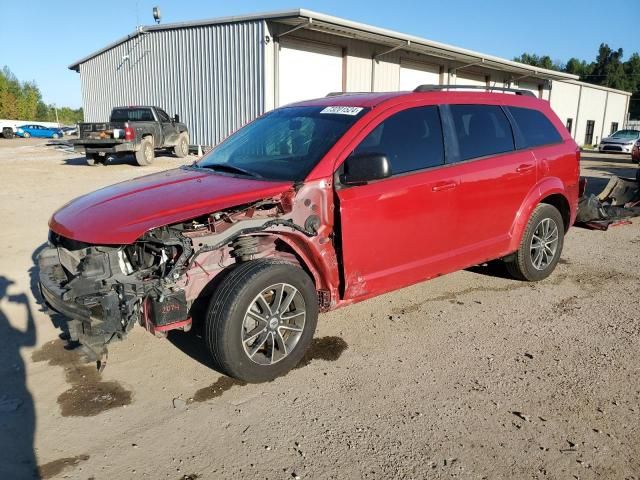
365 167
176 118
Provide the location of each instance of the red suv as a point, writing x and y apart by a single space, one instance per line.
311 207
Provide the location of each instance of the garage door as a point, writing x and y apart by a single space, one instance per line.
413 74
471 79
308 70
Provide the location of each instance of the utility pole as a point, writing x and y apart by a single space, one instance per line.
56 110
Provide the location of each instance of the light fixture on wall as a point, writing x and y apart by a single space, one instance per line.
156 14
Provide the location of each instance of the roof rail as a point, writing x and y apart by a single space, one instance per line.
437 88
337 94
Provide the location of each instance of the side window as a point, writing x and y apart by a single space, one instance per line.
480 130
162 115
411 140
536 128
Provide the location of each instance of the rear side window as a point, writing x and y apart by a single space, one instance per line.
411 140
535 127
479 130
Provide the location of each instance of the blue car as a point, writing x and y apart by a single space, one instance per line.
27 131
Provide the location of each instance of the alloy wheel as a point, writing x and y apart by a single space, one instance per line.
544 243
273 324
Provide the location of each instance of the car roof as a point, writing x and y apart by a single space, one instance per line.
371 100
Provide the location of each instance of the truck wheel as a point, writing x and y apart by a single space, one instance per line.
541 245
7 133
182 147
145 155
261 320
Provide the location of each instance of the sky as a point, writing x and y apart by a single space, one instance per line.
50 35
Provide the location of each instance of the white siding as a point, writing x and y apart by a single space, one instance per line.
592 102
308 70
467 78
413 74
616 110
564 101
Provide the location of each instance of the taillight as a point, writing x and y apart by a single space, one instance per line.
129 132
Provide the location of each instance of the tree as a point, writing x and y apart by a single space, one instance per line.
23 101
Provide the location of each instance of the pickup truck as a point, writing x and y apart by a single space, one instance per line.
7 129
139 130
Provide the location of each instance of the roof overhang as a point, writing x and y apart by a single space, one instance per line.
307 19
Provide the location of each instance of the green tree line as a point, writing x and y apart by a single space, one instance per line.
608 69
23 101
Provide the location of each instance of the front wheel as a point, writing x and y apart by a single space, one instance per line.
540 247
26 134
261 320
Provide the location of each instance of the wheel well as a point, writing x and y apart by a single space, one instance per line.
560 202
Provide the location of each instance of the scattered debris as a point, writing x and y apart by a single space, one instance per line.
619 201
521 416
179 404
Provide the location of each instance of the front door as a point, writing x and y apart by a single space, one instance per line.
397 231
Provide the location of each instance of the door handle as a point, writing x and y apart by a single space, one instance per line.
441 187
524 168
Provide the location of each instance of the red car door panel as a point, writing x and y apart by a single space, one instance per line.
398 231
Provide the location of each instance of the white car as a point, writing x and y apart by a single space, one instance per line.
622 141
7 129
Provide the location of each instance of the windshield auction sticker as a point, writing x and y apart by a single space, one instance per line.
342 110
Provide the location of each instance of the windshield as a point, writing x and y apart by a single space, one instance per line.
284 144
630 134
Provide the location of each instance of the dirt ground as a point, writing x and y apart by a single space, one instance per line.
472 375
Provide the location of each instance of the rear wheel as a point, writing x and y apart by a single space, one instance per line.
7 133
261 320
145 155
55 135
541 245
181 149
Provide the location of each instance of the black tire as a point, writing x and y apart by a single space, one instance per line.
145 154
521 265
181 148
225 322
7 133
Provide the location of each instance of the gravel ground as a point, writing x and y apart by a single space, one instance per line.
471 375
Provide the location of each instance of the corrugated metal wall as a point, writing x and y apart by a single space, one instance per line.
212 76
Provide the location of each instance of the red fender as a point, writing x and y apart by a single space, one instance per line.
548 186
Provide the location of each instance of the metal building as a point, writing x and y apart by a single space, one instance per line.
219 74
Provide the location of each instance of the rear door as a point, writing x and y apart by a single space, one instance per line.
398 231
494 178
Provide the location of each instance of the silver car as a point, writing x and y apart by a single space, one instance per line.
622 141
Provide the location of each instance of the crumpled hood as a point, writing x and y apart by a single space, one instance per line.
121 213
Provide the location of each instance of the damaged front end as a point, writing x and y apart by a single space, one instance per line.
105 290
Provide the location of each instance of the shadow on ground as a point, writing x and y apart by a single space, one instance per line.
17 413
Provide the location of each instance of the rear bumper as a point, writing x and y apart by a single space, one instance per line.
101 146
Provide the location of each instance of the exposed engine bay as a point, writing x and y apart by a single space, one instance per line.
106 289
